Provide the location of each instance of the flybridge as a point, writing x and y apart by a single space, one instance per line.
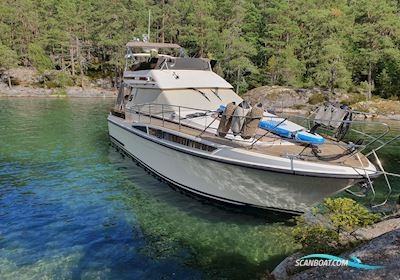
147 69
152 58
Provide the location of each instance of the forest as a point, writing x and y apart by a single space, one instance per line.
333 45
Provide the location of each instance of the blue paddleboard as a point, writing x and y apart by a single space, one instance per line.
286 129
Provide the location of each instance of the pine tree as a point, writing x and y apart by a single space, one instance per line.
376 29
331 71
8 60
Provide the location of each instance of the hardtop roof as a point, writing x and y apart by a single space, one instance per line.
139 44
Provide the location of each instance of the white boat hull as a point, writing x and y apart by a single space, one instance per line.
226 182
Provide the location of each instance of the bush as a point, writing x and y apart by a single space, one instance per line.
8 57
298 106
39 58
57 79
59 92
316 98
333 220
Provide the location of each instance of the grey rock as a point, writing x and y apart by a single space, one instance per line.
277 96
377 229
383 250
287 268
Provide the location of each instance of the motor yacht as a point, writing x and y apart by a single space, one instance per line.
184 123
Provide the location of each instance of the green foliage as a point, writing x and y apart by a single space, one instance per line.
345 214
58 79
315 237
59 92
305 43
39 58
285 68
316 98
331 72
333 219
8 57
298 106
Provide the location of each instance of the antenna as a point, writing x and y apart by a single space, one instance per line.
148 27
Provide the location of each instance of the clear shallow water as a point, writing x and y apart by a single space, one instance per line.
72 207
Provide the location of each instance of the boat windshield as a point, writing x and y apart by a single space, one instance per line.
161 56
147 62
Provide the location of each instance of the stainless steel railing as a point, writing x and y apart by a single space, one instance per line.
179 114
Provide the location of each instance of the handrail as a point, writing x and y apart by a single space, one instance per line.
153 112
137 108
374 139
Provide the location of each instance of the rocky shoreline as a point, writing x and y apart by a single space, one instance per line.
27 84
303 101
27 91
380 245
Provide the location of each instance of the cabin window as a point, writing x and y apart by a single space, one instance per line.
140 127
180 140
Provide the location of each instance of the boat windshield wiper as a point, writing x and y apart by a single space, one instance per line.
202 93
216 94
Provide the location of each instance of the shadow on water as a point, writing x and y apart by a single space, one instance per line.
203 205
223 241
263 215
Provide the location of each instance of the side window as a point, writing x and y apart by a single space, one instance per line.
133 93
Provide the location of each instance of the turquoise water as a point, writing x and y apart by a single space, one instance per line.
71 207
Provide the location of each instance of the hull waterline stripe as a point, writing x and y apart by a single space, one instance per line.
251 166
116 140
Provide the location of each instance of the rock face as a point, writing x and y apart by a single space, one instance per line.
380 106
286 268
377 229
24 75
383 250
278 97
19 76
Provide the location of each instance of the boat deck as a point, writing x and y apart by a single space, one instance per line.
270 145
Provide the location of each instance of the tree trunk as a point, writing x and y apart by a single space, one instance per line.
9 80
237 81
332 81
71 54
163 21
80 60
62 60
369 81
116 78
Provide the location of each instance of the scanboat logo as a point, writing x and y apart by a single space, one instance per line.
329 260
